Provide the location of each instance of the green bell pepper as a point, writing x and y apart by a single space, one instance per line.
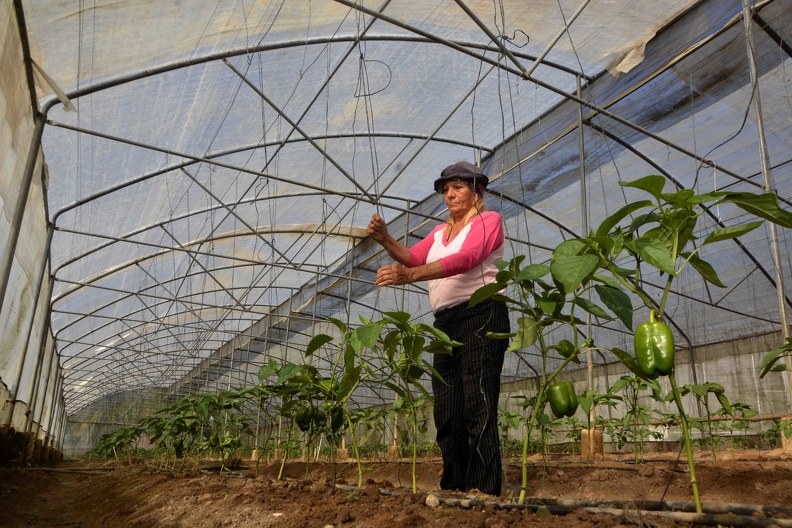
563 400
654 348
303 418
336 419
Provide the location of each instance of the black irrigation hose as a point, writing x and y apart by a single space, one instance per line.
592 466
674 506
82 471
635 512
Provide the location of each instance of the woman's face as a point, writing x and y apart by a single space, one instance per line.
459 197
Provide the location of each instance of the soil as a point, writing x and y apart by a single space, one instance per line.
114 494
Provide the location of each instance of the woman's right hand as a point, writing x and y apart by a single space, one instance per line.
393 275
377 229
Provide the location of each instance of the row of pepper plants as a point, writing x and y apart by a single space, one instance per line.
641 421
317 404
609 264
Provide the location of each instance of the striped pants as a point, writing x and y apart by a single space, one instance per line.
466 399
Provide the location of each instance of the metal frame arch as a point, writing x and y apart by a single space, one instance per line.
169 249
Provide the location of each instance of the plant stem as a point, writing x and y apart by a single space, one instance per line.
415 452
666 290
355 447
630 286
534 413
285 453
688 446
670 279
525 449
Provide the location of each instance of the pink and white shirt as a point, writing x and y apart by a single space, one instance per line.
468 259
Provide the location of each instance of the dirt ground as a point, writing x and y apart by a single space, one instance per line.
88 494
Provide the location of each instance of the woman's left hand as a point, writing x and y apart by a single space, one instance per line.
393 275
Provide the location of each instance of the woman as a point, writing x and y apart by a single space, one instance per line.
457 258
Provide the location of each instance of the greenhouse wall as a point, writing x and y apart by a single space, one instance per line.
85 427
24 308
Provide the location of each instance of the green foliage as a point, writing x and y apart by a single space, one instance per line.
701 392
506 422
119 443
401 345
634 427
207 424
772 362
738 414
780 428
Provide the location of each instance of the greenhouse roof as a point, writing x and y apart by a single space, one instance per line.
213 165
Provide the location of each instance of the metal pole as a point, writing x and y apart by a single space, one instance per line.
43 357
434 133
21 364
64 421
520 71
55 405
552 42
44 391
767 185
584 228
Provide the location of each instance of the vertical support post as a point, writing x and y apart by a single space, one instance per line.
767 185
584 227
64 420
53 361
44 357
589 441
39 283
55 407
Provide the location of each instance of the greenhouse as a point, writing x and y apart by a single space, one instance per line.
187 189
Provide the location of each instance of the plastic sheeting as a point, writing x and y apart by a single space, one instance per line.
210 193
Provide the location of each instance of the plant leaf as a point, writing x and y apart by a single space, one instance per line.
606 280
369 334
724 401
629 362
395 388
500 335
527 333
592 308
532 272
484 293
705 269
399 318
610 222
316 343
727 233
619 385
770 359
349 381
570 248
617 302
342 327
652 184
571 270
654 252
762 205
